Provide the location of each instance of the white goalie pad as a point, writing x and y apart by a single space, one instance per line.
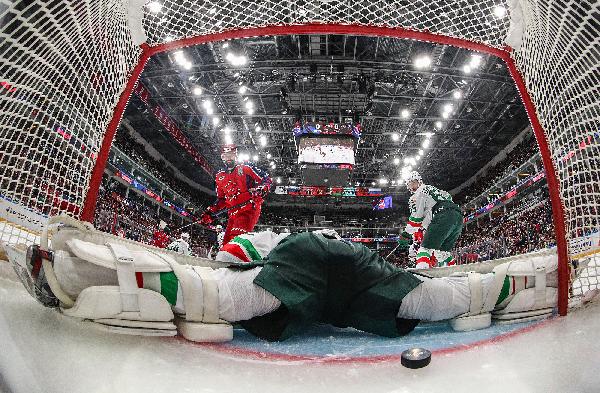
536 302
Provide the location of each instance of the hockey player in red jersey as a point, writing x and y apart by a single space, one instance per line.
240 188
161 238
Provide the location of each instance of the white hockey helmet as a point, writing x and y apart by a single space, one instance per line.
414 175
162 224
185 235
219 227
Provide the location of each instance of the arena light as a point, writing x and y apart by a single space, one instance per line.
429 134
263 141
236 60
257 128
426 143
154 6
383 181
499 11
406 161
405 113
228 139
207 104
457 94
227 130
476 61
438 125
396 161
225 45
243 89
293 181
249 105
467 69
445 115
278 180
395 137
197 90
269 156
422 62
255 158
420 153
448 108
216 121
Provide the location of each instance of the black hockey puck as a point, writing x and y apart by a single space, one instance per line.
415 358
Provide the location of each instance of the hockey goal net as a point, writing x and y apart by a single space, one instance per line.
68 69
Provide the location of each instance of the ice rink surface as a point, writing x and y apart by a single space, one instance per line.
43 351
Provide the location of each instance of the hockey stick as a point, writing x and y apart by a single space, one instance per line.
217 214
395 248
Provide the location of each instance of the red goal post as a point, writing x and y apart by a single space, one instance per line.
71 68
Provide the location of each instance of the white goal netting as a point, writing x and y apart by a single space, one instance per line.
65 64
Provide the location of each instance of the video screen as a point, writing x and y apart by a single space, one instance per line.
326 150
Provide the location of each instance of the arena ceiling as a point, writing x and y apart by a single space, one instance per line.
399 90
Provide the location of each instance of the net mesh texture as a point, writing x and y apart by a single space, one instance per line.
64 65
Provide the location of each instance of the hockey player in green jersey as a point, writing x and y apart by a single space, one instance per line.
435 221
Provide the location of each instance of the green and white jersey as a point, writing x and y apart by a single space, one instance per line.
421 205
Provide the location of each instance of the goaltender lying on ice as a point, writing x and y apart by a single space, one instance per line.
274 285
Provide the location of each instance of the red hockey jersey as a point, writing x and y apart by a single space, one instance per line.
233 187
160 239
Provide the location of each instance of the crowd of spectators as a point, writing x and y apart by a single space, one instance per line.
527 228
159 169
137 218
515 158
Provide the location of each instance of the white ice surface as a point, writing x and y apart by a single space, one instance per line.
43 351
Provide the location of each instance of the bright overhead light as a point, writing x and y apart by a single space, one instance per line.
250 111
263 142
383 181
210 111
293 181
373 183
255 158
227 130
154 6
420 152
278 180
179 57
216 121
445 115
467 69
406 161
499 11
475 61
249 105
457 94
423 62
269 156
405 113
438 124
448 108
429 134
228 139
236 60
418 157
396 161
426 143
257 128
197 91
243 89
226 45
395 137
206 104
